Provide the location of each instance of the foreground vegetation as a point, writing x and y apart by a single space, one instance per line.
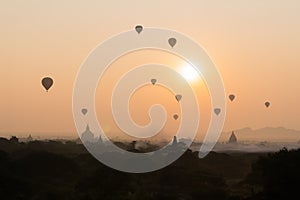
55 170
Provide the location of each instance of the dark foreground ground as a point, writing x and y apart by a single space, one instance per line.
53 170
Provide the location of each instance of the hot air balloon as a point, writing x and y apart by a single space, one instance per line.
84 111
231 97
178 97
153 81
175 116
139 29
267 104
217 111
172 42
47 82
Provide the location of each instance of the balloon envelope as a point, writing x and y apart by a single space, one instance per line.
172 42
153 81
139 29
178 97
217 111
175 116
267 104
231 97
84 111
47 82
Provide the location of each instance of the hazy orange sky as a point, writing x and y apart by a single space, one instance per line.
254 43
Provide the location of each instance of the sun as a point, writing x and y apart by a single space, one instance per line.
189 73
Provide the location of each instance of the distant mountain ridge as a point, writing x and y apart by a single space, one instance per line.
268 134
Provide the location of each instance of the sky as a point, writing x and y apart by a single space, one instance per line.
255 45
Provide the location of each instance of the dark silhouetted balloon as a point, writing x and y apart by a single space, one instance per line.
231 97
153 81
172 42
47 82
175 116
178 97
267 104
84 111
217 111
139 29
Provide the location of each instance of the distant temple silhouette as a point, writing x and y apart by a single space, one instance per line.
26 139
174 143
87 135
29 138
100 139
233 138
